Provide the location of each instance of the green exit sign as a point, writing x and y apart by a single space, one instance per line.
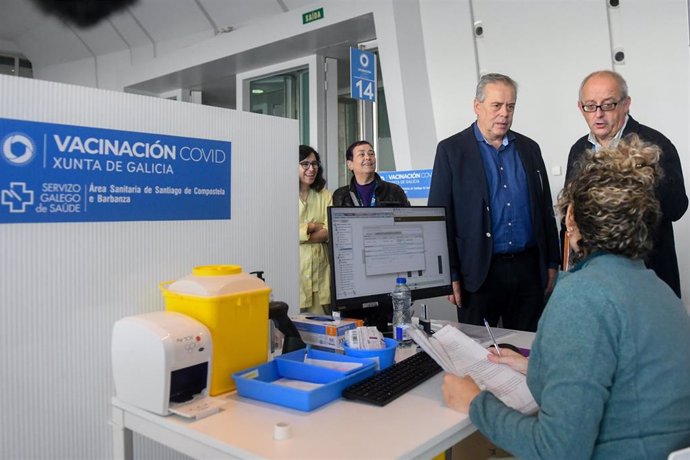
312 16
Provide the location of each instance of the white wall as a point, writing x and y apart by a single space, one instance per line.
548 47
406 81
64 285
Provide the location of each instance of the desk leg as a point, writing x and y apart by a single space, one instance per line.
123 448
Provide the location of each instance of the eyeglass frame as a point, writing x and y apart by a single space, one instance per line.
601 106
306 164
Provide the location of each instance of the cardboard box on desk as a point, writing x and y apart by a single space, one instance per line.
477 447
323 331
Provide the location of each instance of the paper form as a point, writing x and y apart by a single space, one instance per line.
458 354
299 384
343 366
198 407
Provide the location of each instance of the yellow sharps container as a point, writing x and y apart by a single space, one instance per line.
234 307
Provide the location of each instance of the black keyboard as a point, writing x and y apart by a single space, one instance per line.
390 383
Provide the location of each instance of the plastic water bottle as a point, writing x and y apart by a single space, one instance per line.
402 311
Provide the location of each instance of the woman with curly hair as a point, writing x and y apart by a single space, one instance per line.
609 364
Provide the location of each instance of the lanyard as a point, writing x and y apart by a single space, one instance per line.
357 200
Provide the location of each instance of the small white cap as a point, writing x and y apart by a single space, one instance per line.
282 431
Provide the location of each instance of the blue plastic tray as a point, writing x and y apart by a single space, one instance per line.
258 382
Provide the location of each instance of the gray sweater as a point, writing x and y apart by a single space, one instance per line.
609 369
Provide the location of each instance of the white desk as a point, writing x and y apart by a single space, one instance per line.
416 425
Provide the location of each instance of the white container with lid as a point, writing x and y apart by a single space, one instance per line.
215 281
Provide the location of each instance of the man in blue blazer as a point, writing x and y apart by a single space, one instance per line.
605 105
503 239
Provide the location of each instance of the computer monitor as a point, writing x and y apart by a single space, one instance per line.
371 246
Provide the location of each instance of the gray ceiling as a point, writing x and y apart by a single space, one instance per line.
159 24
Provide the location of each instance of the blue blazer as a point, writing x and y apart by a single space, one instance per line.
459 183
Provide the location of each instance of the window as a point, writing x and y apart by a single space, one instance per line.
15 65
285 95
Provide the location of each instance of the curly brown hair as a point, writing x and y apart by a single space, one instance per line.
613 198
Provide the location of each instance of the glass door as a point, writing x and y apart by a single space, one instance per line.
303 89
284 95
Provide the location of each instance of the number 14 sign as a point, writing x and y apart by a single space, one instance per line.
362 75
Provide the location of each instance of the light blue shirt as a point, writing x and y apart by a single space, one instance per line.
614 142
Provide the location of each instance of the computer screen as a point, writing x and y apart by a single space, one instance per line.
371 246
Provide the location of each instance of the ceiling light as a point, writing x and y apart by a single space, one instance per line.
257 91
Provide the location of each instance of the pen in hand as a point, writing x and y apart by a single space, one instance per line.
493 339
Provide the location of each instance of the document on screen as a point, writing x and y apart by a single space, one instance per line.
458 354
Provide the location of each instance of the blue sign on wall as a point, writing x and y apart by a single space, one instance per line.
362 75
62 173
416 183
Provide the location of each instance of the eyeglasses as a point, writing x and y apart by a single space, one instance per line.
305 164
605 107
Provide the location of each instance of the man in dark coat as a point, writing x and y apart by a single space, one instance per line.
605 104
502 232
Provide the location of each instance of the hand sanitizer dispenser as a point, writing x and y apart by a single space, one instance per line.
159 359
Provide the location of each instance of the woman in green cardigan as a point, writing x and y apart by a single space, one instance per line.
609 365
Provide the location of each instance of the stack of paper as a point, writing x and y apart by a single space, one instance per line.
458 354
